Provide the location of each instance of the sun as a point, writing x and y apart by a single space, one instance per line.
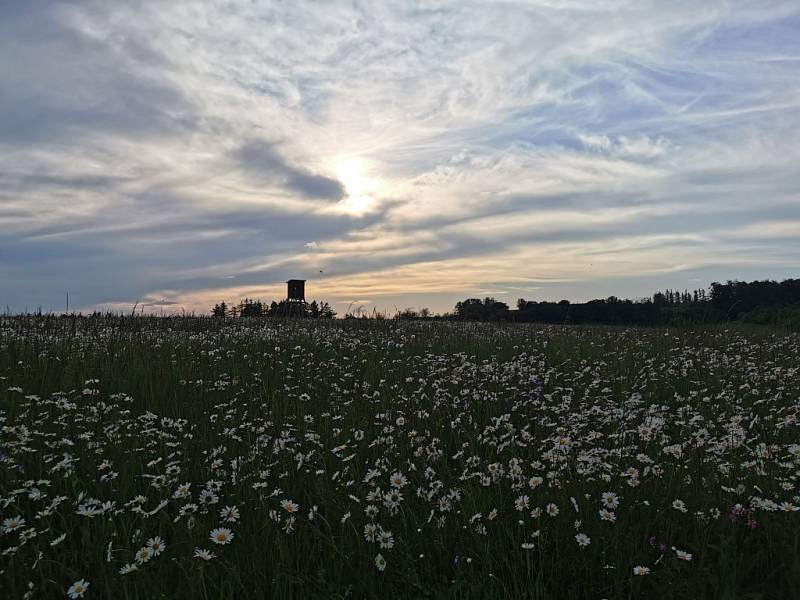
361 188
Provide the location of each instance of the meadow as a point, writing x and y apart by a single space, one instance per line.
243 458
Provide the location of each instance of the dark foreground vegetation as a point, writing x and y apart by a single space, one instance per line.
295 458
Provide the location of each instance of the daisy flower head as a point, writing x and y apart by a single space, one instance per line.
229 514
521 503
370 530
182 491
157 545
221 535
208 497
385 539
610 500
397 480
143 555
204 554
583 540
639 570
380 562
128 569
290 506
78 589
683 555
13 524
607 515
551 509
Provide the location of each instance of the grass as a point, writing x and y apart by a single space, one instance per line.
103 419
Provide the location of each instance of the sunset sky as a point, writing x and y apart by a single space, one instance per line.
394 154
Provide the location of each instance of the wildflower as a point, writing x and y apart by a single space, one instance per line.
380 562
208 497
290 506
143 555
563 444
610 500
229 514
583 540
128 568
737 511
607 515
385 540
78 589
370 530
221 535
535 482
679 505
157 545
397 480
528 546
639 570
182 491
492 514
551 509
521 503
204 554
58 540
683 555
13 524
90 511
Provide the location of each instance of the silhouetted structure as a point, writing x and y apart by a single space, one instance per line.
294 305
296 290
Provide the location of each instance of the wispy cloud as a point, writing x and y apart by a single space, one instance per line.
187 152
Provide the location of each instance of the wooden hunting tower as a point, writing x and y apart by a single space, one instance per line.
296 290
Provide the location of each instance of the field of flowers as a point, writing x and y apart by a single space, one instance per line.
202 458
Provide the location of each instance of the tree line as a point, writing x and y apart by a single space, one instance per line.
248 308
773 303
761 302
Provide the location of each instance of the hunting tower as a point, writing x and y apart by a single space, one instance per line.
296 291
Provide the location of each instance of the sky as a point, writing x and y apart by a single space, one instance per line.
393 153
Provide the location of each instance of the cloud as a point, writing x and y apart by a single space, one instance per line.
428 152
624 146
261 161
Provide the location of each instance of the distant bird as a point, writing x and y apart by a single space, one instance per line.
320 270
